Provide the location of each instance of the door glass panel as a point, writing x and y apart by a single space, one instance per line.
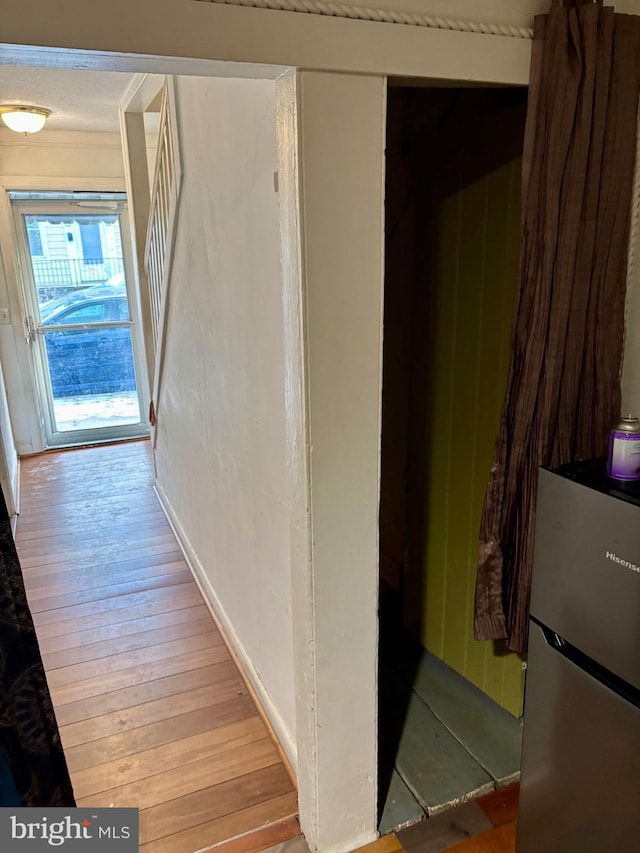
93 381
93 309
74 256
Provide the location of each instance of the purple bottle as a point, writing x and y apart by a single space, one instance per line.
624 450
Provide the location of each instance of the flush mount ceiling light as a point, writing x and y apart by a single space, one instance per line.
23 119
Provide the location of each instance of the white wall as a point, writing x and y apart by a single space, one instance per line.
630 378
61 154
227 34
332 133
221 446
631 359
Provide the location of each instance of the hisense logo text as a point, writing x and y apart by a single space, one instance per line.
615 559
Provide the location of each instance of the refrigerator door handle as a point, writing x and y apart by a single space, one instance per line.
610 680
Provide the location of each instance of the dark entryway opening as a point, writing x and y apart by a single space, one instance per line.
449 706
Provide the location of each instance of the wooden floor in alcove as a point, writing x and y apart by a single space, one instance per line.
152 710
485 825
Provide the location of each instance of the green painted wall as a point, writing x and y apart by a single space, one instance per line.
467 169
471 273
471 313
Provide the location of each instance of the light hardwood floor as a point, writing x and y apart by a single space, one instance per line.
152 710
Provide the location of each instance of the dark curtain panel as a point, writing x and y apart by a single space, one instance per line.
563 392
33 770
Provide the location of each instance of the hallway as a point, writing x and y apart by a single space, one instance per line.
152 710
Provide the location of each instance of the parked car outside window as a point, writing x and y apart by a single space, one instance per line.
86 361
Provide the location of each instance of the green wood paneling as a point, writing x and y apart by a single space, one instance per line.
470 276
464 418
442 305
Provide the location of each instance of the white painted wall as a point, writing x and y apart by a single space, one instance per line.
631 358
227 34
220 438
61 154
332 135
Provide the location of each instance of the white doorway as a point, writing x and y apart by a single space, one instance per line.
82 327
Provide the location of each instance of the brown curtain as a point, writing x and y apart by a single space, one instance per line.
563 392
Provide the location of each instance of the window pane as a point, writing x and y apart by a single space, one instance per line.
91 313
92 378
74 252
121 309
35 240
91 242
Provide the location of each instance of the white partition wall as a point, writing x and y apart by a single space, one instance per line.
220 434
334 433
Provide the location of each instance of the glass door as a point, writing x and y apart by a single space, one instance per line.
81 318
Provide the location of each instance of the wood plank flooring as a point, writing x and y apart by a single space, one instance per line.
486 825
152 710
499 840
443 741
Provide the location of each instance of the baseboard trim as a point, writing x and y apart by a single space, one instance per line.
264 703
263 838
17 488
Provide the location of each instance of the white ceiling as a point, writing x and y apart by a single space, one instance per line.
78 100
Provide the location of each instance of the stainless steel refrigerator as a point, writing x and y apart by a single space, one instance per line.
580 786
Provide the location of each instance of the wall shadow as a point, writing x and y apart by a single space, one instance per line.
432 151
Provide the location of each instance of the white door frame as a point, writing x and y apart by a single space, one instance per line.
334 381
27 295
20 381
